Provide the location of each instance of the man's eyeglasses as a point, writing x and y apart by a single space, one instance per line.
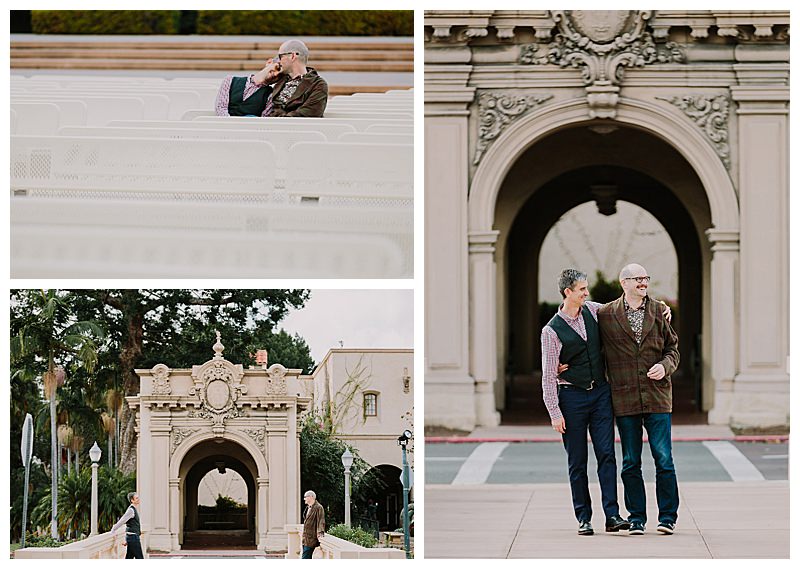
639 280
287 53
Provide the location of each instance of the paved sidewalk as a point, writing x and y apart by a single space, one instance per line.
544 433
715 520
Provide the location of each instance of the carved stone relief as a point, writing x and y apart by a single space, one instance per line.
496 112
161 384
258 435
710 114
276 380
180 435
601 44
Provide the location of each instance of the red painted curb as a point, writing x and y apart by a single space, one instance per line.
735 438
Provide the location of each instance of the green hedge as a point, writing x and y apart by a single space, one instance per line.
105 21
306 22
353 535
226 22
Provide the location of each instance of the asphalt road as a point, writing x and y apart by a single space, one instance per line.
536 463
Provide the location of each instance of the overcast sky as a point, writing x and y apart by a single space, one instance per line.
359 318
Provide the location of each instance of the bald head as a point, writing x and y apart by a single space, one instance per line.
632 270
295 46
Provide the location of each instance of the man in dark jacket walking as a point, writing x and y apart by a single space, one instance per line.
641 353
285 87
313 524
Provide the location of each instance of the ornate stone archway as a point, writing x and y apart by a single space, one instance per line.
179 409
497 82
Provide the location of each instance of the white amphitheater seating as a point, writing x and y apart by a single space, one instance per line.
184 230
77 165
350 170
35 118
106 181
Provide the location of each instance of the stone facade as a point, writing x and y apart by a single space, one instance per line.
686 111
187 420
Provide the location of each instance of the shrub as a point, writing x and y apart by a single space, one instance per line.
306 22
33 540
105 21
353 535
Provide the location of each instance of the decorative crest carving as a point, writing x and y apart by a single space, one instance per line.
180 435
496 112
276 380
601 43
161 384
218 385
258 435
710 113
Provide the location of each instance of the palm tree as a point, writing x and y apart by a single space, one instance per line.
110 428
47 330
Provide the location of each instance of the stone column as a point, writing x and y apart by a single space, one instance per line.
483 325
262 522
449 387
724 310
175 512
761 390
281 462
158 501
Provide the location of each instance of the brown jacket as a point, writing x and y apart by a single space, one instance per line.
313 524
309 100
627 363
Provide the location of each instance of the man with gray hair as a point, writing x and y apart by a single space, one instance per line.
285 87
133 528
313 524
579 399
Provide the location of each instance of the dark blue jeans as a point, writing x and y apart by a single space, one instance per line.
659 435
308 552
589 409
134 547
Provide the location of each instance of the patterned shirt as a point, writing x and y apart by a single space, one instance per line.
635 317
551 351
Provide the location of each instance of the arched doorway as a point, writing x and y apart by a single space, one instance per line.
386 506
602 185
544 165
209 528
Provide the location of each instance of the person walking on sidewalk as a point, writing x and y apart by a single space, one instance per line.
641 354
133 528
313 524
580 399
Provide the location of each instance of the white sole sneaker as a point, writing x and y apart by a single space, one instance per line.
666 530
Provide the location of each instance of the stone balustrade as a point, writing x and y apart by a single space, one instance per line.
335 548
101 546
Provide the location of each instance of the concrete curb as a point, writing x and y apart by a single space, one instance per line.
735 438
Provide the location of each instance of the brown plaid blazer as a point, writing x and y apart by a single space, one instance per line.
632 392
313 524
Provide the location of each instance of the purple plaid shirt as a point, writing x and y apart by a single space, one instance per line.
551 351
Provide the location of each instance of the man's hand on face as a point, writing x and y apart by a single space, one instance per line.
657 372
559 425
268 74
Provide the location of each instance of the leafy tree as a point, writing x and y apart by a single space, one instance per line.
321 470
46 337
176 327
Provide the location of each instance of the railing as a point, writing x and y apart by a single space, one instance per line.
102 546
336 548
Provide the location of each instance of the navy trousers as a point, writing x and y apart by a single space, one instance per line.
134 547
308 552
589 410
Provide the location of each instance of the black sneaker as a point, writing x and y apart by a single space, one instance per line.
637 528
667 528
585 528
616 523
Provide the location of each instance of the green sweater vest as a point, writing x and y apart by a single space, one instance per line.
255 103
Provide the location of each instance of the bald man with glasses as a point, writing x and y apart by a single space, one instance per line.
641 354
285 87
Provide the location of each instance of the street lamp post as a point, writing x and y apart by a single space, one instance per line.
402 440
347 462
94 454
